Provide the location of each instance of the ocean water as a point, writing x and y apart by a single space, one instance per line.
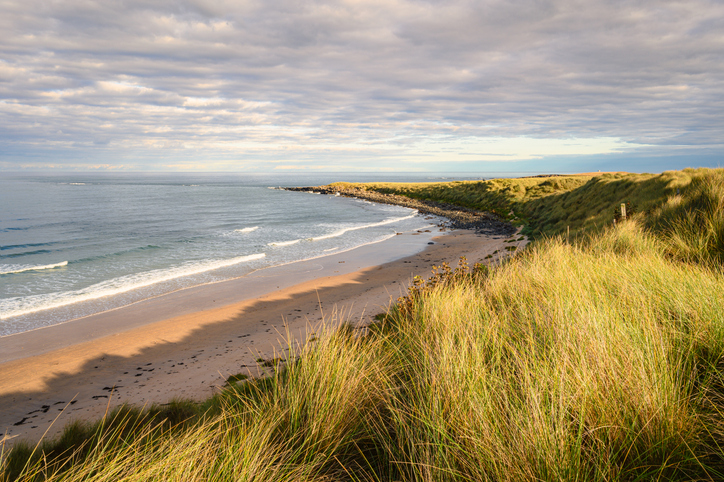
72 245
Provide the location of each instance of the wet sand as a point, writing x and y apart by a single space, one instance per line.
185 345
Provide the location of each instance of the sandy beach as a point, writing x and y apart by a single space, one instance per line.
185 344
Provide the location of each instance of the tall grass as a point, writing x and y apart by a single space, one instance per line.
600 362
595 358
692 223
595 361
312 420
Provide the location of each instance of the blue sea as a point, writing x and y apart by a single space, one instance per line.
72 244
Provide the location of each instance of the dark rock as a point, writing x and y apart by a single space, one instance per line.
458 217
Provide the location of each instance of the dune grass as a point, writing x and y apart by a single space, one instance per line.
692 223
600 357
595 362
547 206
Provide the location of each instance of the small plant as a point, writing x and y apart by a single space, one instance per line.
236 378
481 270
272 362
441 275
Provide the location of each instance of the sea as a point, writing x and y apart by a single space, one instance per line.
76 244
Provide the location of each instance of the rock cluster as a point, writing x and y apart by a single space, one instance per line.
459 217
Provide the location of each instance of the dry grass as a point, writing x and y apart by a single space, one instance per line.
597 359
570 363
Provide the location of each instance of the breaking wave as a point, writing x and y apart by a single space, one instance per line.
284 243
246 230
373 225
11 269
18 306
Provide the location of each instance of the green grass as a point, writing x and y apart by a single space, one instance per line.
236 378
692 223
547 206
598 357
594 362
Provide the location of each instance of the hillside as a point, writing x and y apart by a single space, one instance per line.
548 205
598 356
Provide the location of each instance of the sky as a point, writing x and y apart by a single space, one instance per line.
529 86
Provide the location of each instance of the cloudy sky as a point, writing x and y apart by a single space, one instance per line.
408 85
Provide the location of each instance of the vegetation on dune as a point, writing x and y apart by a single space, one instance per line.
547 206
597 357
592 362
692 223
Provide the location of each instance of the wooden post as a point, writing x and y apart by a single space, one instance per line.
568 234
623 211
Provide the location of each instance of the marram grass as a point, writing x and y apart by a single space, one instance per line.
547 206
568 363
597 359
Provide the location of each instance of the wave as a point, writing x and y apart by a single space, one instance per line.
20 269
19 306
373 225
284 243
342 231
27 253
21 246
118 253
246 230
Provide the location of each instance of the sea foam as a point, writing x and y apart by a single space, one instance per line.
18 306
343 231
355 228
246 230
11 269
284 243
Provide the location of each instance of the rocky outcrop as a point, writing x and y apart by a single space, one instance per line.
458 217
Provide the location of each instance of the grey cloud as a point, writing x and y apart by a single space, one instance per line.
133 74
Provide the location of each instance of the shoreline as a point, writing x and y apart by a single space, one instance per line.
250 274
191 354
184 344
208 296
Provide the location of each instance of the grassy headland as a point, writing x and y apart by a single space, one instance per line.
548 205
594 357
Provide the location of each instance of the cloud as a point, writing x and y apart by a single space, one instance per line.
325 82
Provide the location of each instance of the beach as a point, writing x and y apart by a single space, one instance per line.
186 344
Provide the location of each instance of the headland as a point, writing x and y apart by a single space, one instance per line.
187 343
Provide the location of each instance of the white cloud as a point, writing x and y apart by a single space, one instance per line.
391 80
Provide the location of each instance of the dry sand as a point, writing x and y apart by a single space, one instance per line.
186 344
